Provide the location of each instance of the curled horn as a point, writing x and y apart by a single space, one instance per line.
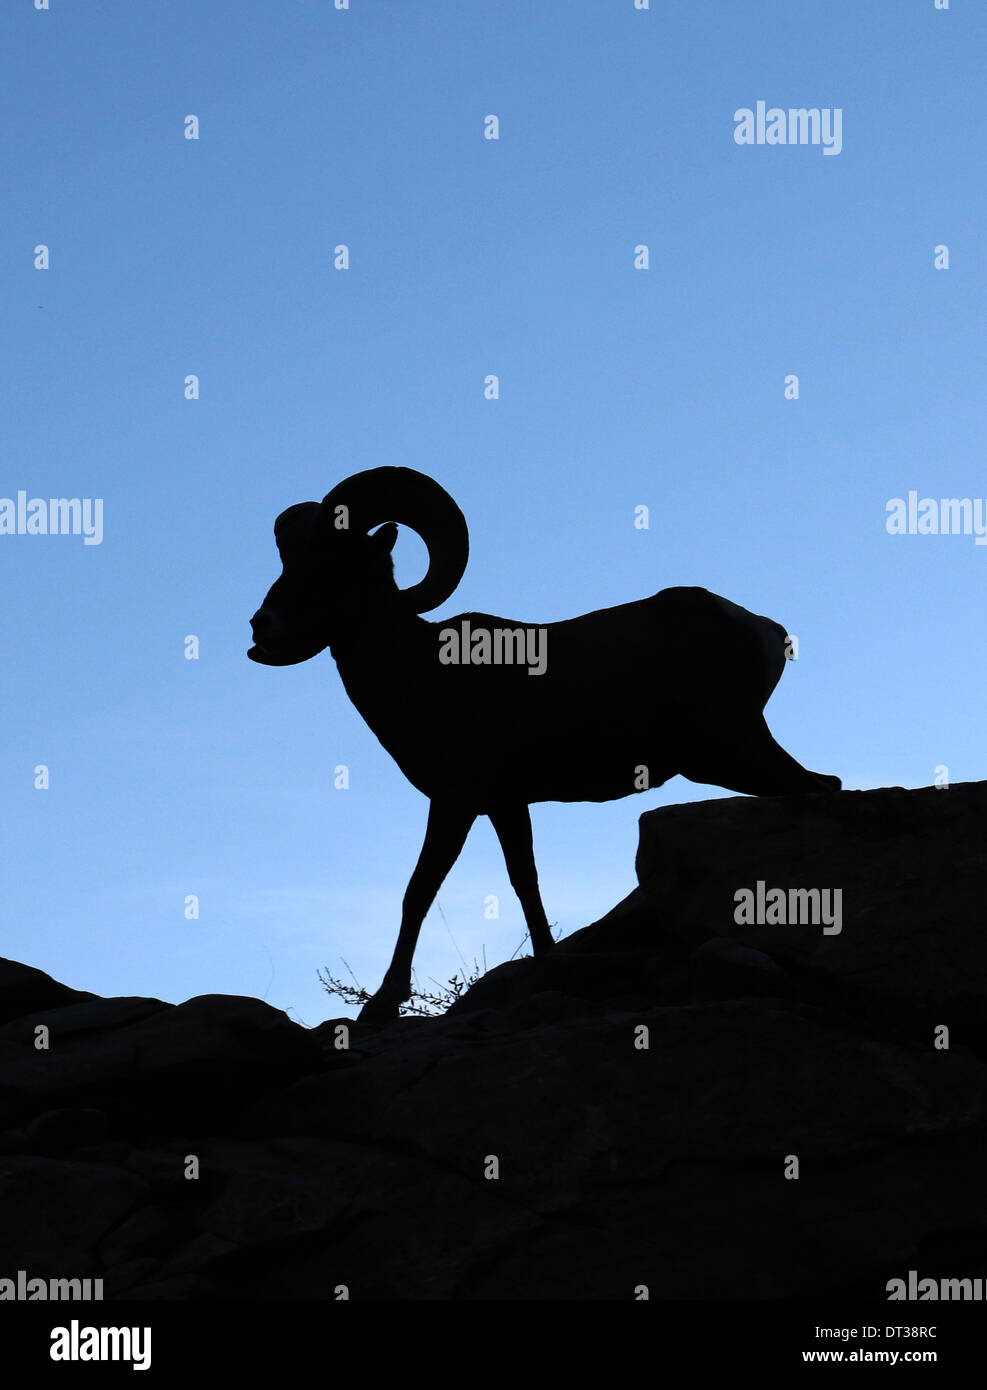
410 498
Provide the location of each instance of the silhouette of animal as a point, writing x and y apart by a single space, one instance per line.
624 699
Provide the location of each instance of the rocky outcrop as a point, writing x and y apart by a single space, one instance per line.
631 1111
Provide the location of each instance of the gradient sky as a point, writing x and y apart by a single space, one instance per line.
619 387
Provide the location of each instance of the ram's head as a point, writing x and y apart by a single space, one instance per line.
336 574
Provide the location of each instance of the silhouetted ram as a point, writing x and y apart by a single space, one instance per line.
593 709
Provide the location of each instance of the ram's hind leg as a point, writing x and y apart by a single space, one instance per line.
448 825
741 755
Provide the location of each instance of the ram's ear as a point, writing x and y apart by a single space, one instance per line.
386 536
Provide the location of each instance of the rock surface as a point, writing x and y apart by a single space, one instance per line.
618 1164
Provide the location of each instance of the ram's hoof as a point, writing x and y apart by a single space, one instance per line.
379 1011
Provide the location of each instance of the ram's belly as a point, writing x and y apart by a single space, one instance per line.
537 741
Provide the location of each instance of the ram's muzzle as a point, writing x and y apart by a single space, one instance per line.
288 656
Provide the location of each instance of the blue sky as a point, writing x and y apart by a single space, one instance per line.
619 387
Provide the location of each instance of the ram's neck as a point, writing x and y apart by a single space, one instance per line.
390 637
383 667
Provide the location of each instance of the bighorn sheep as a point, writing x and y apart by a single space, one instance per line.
621 699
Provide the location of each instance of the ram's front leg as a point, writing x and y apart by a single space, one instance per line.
448 825
512 822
